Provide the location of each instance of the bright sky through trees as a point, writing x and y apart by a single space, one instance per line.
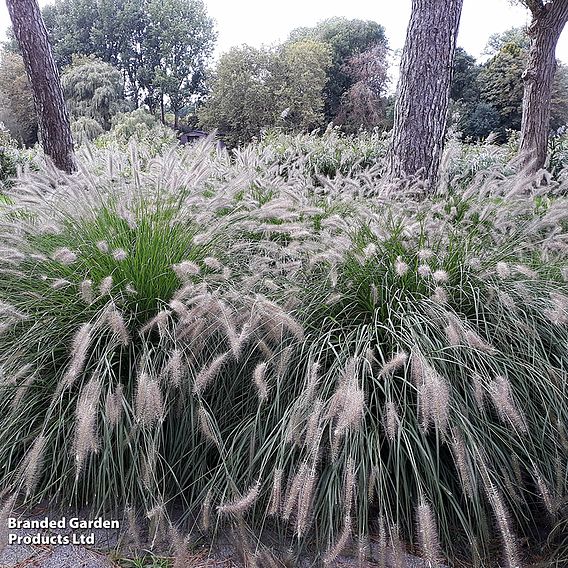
258 22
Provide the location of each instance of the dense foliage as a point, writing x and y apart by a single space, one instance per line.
322 355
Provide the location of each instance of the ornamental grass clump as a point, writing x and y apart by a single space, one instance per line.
194 330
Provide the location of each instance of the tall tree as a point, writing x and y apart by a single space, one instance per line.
17 110
363 105
53 118
180 41
93 89
548 20
346 38
424 90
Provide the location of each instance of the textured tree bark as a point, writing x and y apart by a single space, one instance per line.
548 21
423 91
53 118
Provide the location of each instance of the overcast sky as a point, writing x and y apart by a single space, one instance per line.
258 22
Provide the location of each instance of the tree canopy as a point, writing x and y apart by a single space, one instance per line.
256 88
346 38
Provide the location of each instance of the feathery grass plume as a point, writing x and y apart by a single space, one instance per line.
150 459
204 419
276 320
526 271
160 320
64 256
550 503
392 420
149 402
103 246
305 502
284 362
275 502
396 362
185 269
349 485
259 376
382 543
298 482
341 543
206 511
132 532
85 439
428 534
459 453
22 390
175 367
313 430
6 512
157 516
86 291
311 382
238 340
105 286
243 504
504 403
182 556
433 397
473 340
453 333
478 389
7 310
400 267
60 283
119 255
32 464
425 254
440 296
209 373
424 270
79 349
503 270
440 276
504 523
369 251
212 263
113 405
117 325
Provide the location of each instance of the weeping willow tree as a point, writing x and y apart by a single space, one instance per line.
93 89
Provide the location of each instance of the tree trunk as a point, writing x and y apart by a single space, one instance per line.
423 91
162 109
53 117
548 21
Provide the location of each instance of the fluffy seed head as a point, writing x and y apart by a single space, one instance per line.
79 350
117 325
209 372
185 269
396 362
401 268
259 377
119 255
86 290
105 286
64 256
113 406
103 246
85 441
239 506
428 534
32 464
149 403
502 397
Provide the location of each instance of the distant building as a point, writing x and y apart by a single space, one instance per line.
191 136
